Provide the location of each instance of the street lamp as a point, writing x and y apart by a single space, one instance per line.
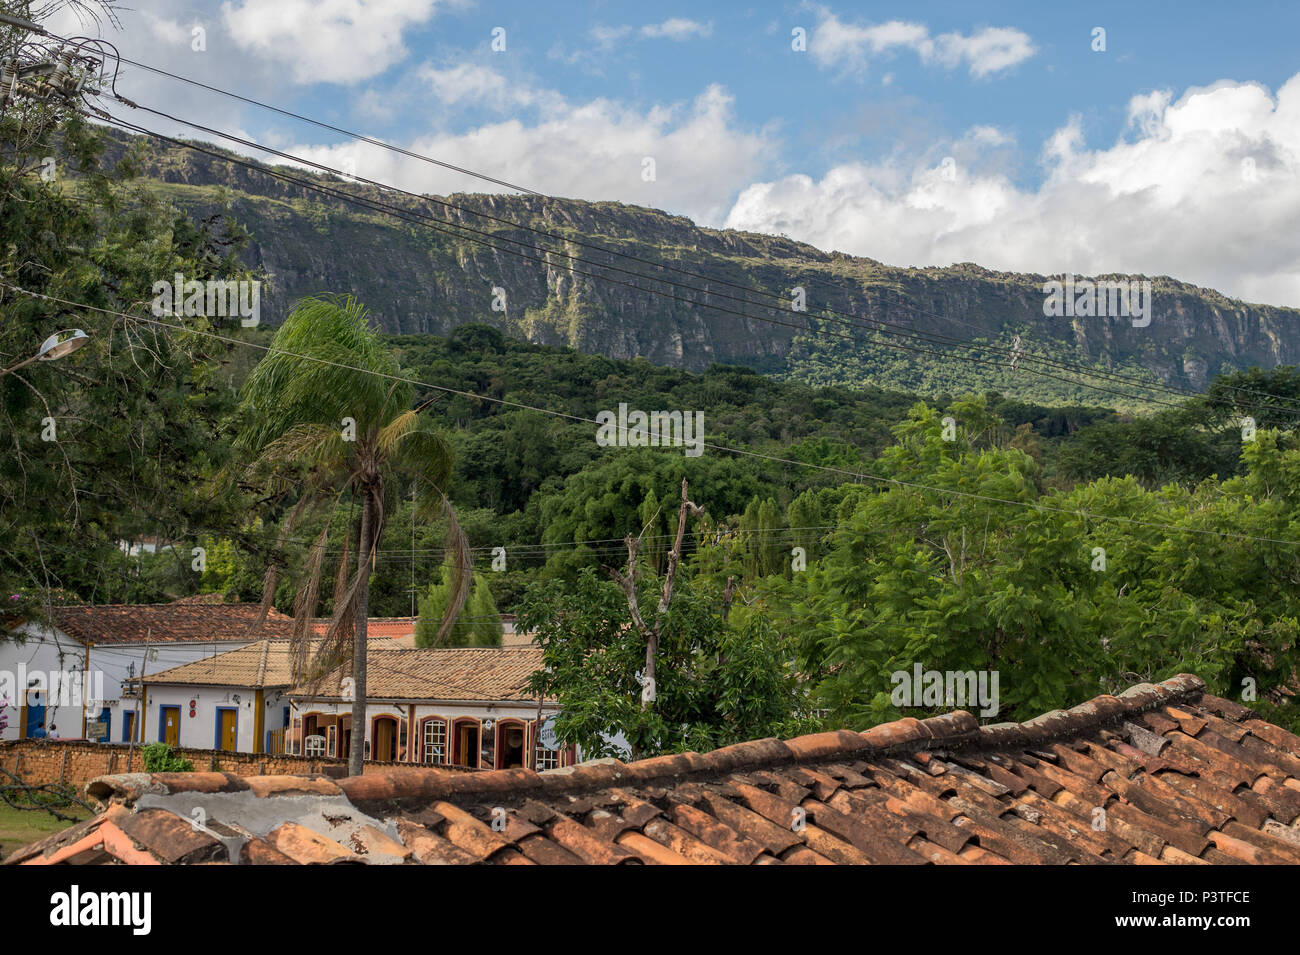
57 346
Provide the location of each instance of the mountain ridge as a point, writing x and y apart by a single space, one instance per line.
416 280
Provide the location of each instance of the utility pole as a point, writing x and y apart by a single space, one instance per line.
140 710
413 553
85 681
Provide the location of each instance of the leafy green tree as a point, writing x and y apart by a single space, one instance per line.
715 685
117 440
1065 594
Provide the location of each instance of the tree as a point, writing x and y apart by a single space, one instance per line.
715 685
478 625
327 414
117 440
719 685
1064 595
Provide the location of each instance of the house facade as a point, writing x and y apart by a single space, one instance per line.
463 706
77 678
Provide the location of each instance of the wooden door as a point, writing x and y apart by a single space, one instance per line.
228 735
171 725
467 744
384 737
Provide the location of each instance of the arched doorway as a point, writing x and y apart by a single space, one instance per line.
512 751
465 742
383 739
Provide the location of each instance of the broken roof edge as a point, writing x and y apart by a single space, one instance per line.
955 730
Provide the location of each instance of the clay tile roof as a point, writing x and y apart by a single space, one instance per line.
376 627
447 673
188 619
266 663
1182 776
262 664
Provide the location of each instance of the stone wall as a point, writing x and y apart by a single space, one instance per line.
39 761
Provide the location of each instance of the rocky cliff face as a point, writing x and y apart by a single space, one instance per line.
419 279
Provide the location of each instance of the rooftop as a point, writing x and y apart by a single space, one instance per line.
496 674
266 663
1162 773
187 620
469 673
395 628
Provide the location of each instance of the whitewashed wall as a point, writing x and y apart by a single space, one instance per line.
47 649
200 731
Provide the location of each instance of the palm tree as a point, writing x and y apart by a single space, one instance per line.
328 415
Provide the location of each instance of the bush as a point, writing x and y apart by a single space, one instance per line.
159 758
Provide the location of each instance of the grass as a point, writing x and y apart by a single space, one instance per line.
19 827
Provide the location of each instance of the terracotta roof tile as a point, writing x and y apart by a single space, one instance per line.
179 622
307 847
1182 778
444 673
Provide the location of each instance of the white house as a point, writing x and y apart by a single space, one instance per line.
463 706
235 701
454 706
66 680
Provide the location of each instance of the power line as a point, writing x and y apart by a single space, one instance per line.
856 475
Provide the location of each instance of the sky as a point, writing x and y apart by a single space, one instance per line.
1158 138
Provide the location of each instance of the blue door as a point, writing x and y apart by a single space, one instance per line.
35 721
105 716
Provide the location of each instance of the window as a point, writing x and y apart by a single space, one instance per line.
435 742
545 758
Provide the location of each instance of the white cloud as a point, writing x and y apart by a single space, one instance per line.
985 51
594 150
334 41
1205 189
674 28
606 37
477 85
169 31
835 43
677 28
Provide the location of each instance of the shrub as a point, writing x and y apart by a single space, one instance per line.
159 758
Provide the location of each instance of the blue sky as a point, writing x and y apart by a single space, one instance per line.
914 133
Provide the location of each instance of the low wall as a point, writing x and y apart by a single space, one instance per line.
76 762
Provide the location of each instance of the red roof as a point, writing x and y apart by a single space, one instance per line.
380 627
